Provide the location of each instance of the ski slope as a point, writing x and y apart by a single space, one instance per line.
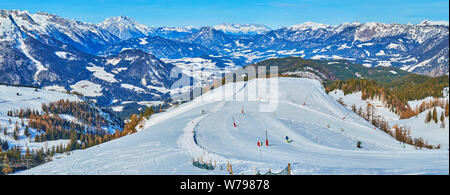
323 142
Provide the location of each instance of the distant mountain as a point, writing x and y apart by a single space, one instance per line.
125 27
160 47
17 25
242 29
174 32
209 38
419 48
139 68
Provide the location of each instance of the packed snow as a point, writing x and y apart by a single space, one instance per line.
323 142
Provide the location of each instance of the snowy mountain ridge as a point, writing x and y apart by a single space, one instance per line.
242 29
421 48
125 27
84 36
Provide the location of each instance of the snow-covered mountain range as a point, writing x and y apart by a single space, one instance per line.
242 29
420 48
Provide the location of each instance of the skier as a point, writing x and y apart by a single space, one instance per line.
287 140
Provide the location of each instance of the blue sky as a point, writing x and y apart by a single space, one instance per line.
272 13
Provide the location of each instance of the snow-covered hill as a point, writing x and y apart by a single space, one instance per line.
323 142
13 98
430 132
26 98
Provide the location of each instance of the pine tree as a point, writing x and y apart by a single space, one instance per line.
428 117
446 109
16 133
27 131
435 119
27 154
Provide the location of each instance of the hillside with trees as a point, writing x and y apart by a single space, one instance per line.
87 126
328 71
395 94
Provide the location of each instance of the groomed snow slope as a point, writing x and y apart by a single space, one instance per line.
170 140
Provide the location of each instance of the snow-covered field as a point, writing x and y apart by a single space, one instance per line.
323 142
